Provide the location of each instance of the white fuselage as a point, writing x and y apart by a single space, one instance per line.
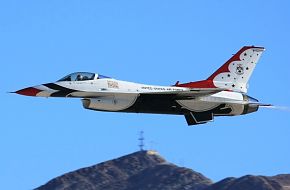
222 94
116 95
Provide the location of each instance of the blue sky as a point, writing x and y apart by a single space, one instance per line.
154 42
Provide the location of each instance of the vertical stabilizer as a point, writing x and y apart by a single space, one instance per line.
236 72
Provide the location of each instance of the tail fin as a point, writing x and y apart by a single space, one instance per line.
236 72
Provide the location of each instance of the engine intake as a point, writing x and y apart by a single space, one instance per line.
109 103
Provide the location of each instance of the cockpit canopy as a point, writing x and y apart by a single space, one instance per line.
82 76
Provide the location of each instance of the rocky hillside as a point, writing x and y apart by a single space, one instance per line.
140 170
147 170
249 182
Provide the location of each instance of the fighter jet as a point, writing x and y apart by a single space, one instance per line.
221 94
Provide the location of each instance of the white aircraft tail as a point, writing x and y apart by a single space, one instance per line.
236 72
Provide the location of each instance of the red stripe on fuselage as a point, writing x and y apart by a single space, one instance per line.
198 84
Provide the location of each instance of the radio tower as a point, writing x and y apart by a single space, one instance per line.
141 140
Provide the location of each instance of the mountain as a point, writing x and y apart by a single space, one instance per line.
147 170
250 182
140 170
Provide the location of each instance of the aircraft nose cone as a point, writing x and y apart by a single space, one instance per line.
30 91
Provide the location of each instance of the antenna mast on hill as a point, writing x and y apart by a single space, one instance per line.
141 140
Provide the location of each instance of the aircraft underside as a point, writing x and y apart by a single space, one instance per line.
146 103
194 111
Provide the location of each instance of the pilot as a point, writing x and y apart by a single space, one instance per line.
79 77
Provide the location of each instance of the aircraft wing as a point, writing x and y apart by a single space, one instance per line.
178 95
188 94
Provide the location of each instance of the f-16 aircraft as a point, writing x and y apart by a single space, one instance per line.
221 94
